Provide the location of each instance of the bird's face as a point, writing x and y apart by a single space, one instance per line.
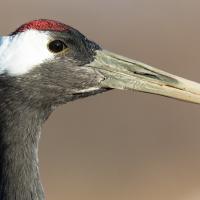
47 61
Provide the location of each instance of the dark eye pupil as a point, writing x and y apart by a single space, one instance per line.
56 46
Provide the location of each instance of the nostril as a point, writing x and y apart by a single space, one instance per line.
147 75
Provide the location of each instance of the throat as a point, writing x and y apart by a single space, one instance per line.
20 130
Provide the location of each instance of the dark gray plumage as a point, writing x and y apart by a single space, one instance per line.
27 101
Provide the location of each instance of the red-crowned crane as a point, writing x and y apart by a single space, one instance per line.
45 63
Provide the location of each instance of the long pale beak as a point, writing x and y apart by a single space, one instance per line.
124 73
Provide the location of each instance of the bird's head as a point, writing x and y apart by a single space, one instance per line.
47 61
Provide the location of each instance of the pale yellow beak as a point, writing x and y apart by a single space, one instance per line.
123 73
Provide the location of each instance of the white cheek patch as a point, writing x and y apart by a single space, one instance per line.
20 53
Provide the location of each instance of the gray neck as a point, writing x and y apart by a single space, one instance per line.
20 127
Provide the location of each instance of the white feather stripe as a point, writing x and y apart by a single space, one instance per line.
20 53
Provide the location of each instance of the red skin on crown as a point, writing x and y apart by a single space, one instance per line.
42 25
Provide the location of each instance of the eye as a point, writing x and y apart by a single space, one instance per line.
56 46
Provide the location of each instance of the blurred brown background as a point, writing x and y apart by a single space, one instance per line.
123 145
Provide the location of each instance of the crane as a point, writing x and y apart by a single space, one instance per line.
45 63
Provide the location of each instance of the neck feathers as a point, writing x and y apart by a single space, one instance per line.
20 128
